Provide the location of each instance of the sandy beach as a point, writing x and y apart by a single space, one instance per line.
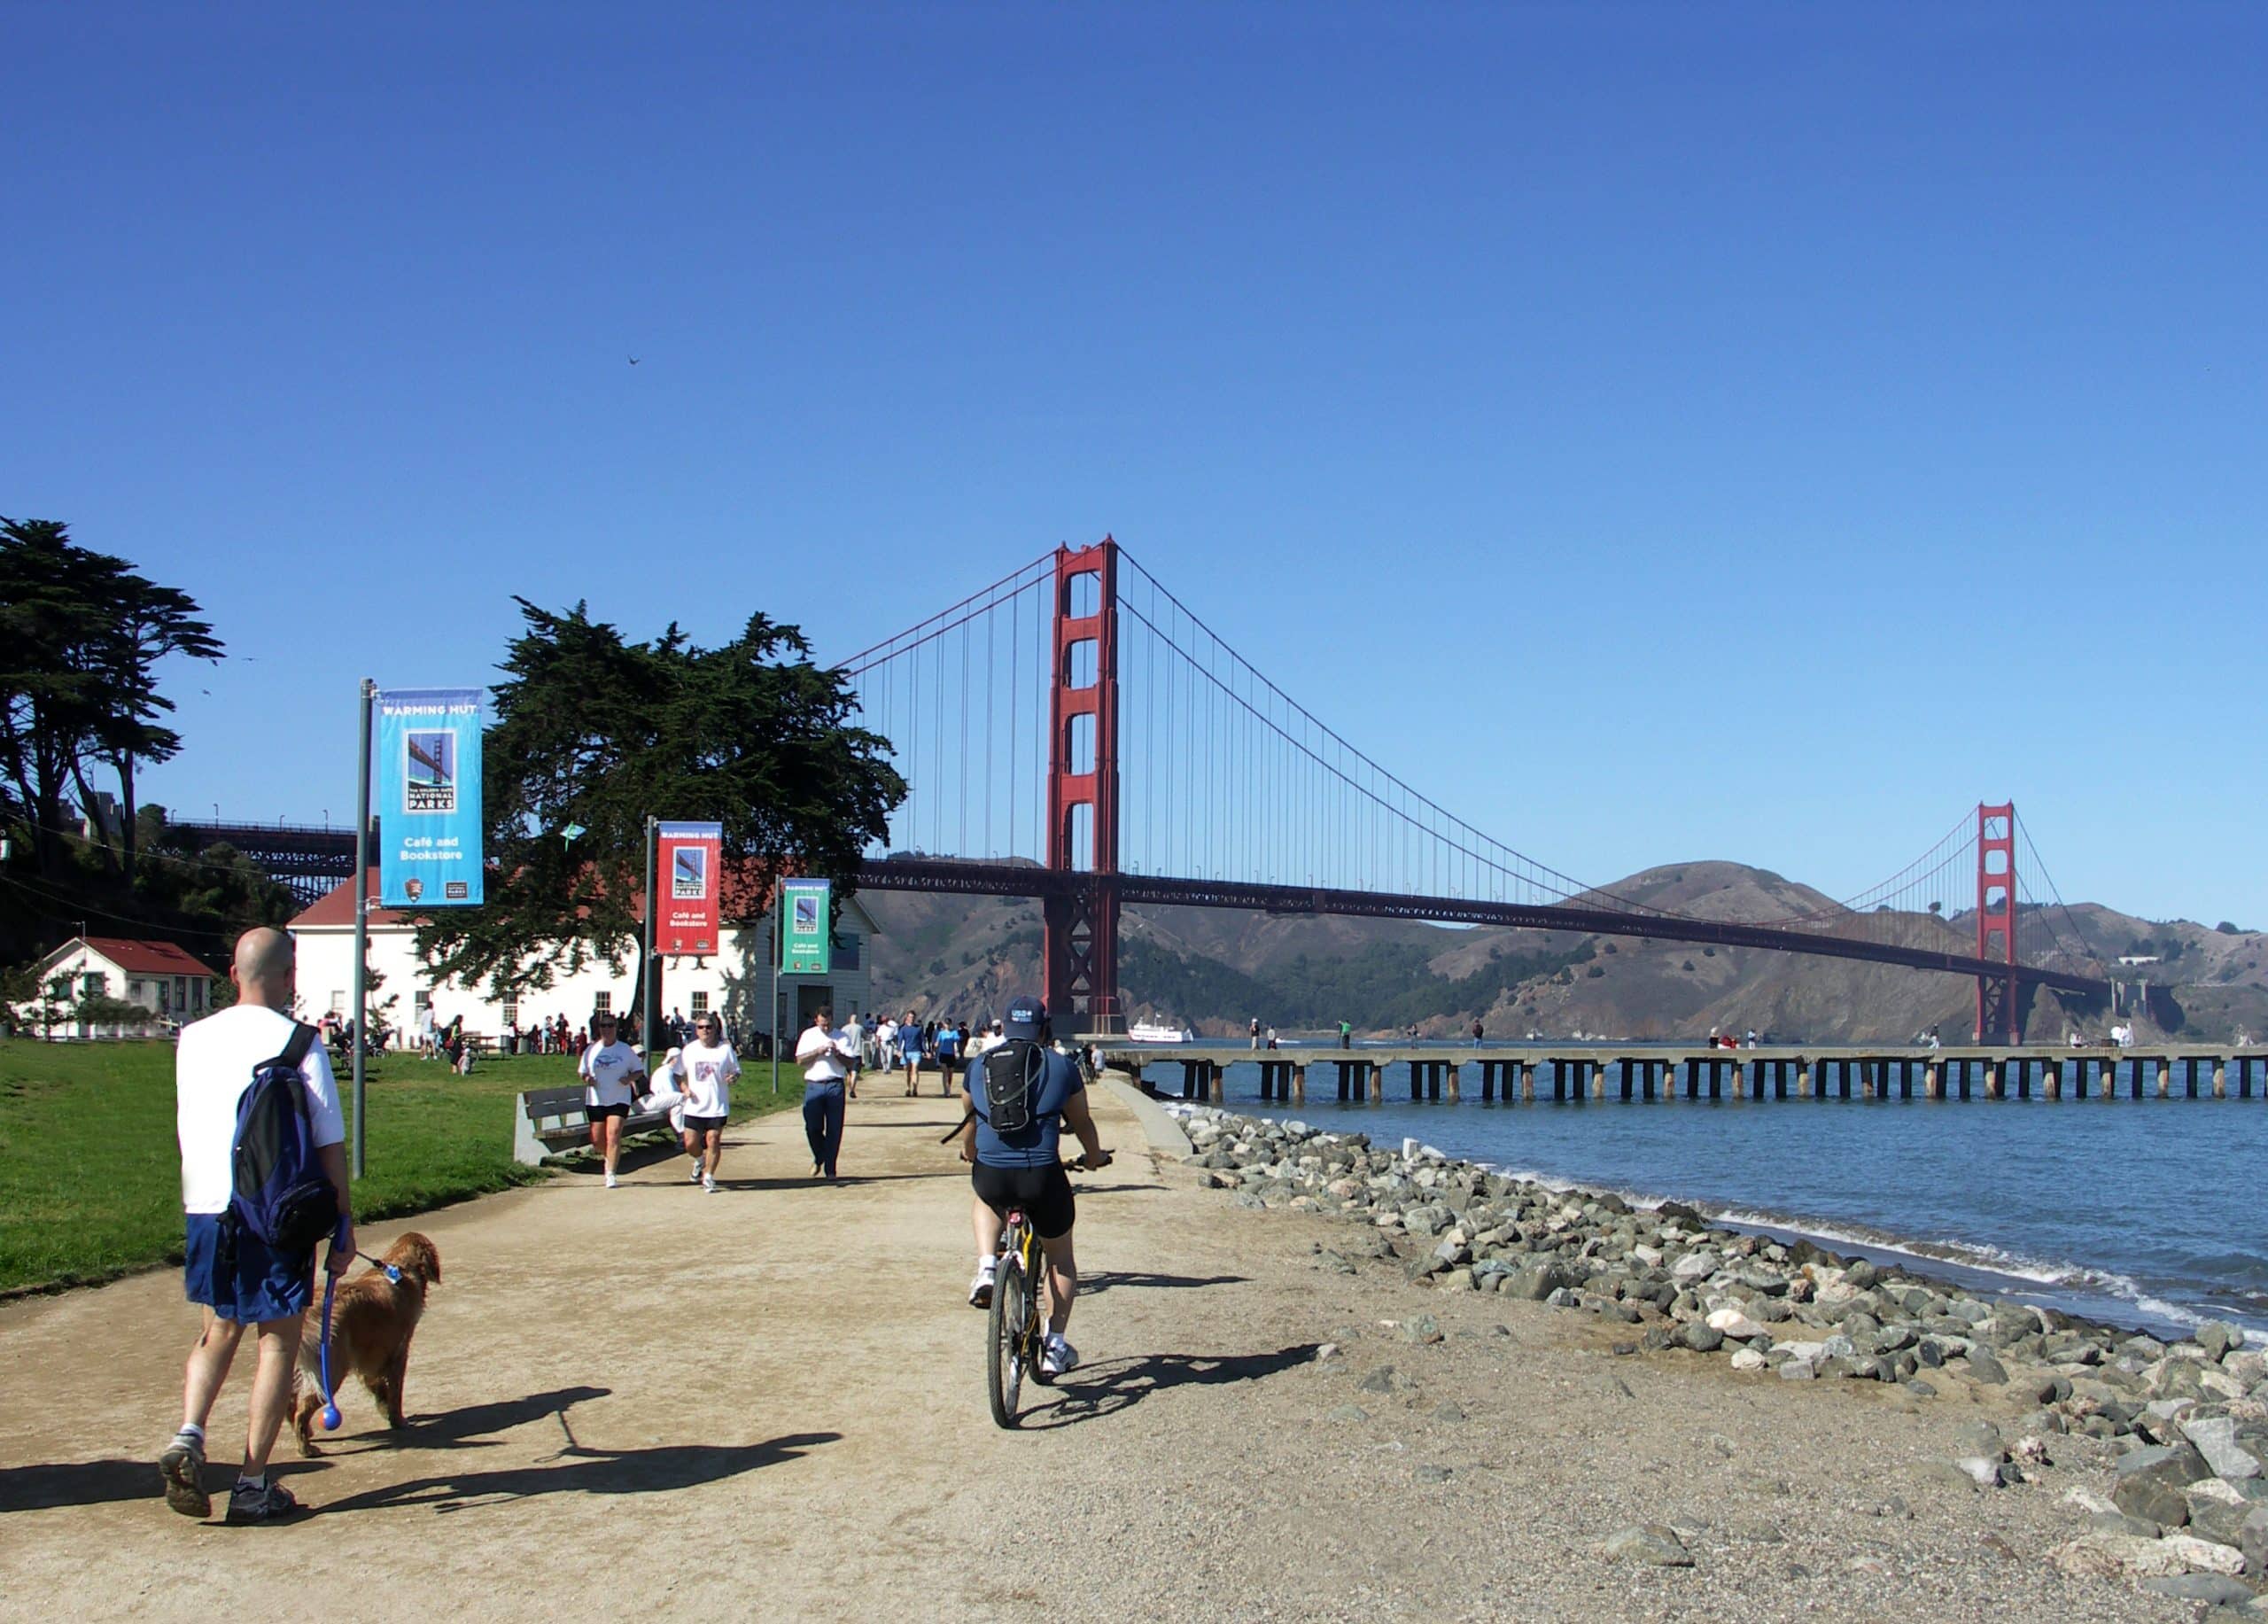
770 1402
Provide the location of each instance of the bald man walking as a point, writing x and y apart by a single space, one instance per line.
226 1269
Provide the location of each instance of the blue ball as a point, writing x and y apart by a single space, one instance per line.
331 1418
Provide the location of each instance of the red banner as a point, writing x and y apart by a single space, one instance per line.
689 868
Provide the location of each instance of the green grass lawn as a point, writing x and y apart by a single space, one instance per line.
91 1178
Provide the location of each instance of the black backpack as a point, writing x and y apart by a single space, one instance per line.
1013 1071
280 1193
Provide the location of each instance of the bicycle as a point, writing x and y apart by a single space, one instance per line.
1014 1325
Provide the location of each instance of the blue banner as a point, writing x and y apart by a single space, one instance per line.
429 797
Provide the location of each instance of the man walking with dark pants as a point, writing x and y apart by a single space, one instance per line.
226 1269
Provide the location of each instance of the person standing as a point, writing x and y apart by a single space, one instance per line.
909 1052
612 1072
947 1048
821 1053
1255 1031
1476 1031
854 1034
1345 1036
708 1067
225 1268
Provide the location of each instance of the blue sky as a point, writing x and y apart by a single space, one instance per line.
1660 432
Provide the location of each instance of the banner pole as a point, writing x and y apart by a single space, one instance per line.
362 910
776 984
646 964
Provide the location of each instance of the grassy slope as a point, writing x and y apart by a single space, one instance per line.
90 1178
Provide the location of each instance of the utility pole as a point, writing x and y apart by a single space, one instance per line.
361 905
646 963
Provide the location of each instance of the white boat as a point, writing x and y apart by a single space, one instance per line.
1152 1031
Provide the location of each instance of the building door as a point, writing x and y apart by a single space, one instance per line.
810 999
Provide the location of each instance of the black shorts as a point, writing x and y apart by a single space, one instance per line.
1044 1193
595 1112
704 1124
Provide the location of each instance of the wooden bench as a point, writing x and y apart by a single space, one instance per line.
552 1120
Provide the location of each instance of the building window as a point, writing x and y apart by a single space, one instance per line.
180 992
602 1004
196 993
511 1011
700 1003
339 1000
421 1002
846 952
94 984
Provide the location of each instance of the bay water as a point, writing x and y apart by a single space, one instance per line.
2149 1213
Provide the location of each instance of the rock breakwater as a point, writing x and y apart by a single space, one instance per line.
2191 1417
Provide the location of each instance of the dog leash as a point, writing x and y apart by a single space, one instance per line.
329 1403
379 1264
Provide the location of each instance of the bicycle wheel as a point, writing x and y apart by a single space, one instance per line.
1005 1328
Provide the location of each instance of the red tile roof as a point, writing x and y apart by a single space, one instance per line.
336 906
148 958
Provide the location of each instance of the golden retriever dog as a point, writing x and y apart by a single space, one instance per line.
372 1319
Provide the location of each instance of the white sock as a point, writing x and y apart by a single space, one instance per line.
244 1479
190 1429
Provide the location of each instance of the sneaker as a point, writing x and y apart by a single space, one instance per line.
1057 1357
181 1465
980 1289
696 1176
609 1181
271 1502
709 1184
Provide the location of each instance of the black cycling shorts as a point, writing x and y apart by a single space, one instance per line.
1044 1193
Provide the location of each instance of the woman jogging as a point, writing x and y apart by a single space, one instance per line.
708 1066
821 1053
909 1052
611 1072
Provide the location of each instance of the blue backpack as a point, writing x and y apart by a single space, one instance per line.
281 1195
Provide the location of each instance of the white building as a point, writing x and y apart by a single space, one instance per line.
736 981
170 983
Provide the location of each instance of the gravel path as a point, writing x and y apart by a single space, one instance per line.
770 1402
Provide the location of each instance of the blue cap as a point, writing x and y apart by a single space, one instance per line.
1024 1018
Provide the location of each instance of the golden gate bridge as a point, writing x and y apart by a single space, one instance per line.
1075 734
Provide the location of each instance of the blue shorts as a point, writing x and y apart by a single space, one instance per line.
256 1285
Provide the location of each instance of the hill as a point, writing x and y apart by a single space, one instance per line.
1215 969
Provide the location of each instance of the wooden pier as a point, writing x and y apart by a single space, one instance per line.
1532 1071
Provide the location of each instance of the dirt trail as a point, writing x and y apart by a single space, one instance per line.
655 1400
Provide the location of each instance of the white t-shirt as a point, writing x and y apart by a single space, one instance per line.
708 1070
212 1068
607 1068
820 1056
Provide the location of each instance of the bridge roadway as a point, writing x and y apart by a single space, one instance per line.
926 873
1773 1072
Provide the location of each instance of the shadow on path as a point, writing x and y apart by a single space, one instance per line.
1098 1390
1107 1279
466 1429
587 1472
83 1482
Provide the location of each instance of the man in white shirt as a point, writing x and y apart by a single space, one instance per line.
612 1072
225 1268
708 1067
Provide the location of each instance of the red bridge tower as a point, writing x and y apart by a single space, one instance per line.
1080 911
1997 1018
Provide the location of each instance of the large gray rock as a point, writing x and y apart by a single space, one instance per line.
2212 1588
1702 1338
2252 1541
1983 1367
2216 1337
1650 1544
2150 1481
2216 1439
2219 1521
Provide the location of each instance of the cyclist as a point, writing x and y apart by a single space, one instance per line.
1026 1079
